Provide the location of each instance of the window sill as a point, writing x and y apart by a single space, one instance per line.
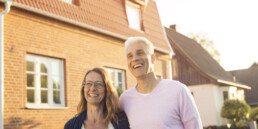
46 108
141 31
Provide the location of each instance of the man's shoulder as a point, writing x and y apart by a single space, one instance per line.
128 92
172 83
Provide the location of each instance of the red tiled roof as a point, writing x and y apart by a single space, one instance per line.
108 15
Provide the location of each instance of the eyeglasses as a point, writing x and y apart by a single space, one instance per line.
98 85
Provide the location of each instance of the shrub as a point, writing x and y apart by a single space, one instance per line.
119 90
254 114
236 111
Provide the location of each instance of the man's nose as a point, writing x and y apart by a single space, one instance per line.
135 57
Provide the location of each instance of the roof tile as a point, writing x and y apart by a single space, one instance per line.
109 15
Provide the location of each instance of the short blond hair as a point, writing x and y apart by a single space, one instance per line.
132 40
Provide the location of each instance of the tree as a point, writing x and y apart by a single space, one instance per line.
207 44
236 111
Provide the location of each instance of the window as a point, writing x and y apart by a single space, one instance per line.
45 82
68 1
117 77
225 95
133 15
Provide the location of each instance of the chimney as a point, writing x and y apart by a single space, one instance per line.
173 27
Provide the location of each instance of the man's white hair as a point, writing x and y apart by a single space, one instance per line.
132 40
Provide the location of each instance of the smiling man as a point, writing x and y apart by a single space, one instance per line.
154 103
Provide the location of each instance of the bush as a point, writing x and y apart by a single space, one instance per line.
236 111
254 114
119 90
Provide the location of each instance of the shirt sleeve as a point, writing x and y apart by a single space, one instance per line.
189 114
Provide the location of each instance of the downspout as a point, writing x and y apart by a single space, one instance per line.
170 66
7 9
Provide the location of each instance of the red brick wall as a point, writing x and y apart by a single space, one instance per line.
81 50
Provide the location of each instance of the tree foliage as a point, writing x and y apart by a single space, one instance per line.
207 44
236 111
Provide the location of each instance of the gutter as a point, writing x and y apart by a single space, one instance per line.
86 26
234 84
7 9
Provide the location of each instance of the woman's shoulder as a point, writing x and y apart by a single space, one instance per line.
70 123
122 120
75 121
121 115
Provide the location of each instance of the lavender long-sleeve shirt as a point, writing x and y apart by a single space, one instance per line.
169 106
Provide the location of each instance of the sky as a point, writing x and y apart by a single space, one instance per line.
231 24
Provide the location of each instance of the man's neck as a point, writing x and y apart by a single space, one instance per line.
147 83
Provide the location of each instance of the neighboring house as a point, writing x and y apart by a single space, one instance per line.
50 44
208 82
249 77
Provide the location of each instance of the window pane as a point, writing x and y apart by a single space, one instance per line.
30 96
119 77
113 76
68 1
55 68
43 80
30 66
225 95
120 84
57 97
133 15
56 83
43 68
30 80
44 96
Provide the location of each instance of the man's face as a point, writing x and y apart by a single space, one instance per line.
139 59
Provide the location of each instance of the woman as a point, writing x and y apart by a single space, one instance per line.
98 105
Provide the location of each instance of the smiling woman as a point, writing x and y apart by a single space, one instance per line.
98 105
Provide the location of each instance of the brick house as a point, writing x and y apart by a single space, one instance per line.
208 82
50 44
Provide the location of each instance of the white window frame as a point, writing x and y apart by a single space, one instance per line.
133 12
116 81
68 1
47 61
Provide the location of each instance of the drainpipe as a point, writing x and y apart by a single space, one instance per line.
7 9
170 65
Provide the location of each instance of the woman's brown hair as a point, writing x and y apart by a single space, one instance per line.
111 98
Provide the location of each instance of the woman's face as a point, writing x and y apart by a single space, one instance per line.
94 89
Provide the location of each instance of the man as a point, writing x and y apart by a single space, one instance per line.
153 103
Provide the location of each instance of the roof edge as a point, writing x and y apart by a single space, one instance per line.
193 62
67 20
234 84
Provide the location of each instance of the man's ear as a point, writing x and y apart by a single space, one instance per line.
153 58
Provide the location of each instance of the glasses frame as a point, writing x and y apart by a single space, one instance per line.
95 84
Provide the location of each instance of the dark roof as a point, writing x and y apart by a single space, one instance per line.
109 15
199 57
249 77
